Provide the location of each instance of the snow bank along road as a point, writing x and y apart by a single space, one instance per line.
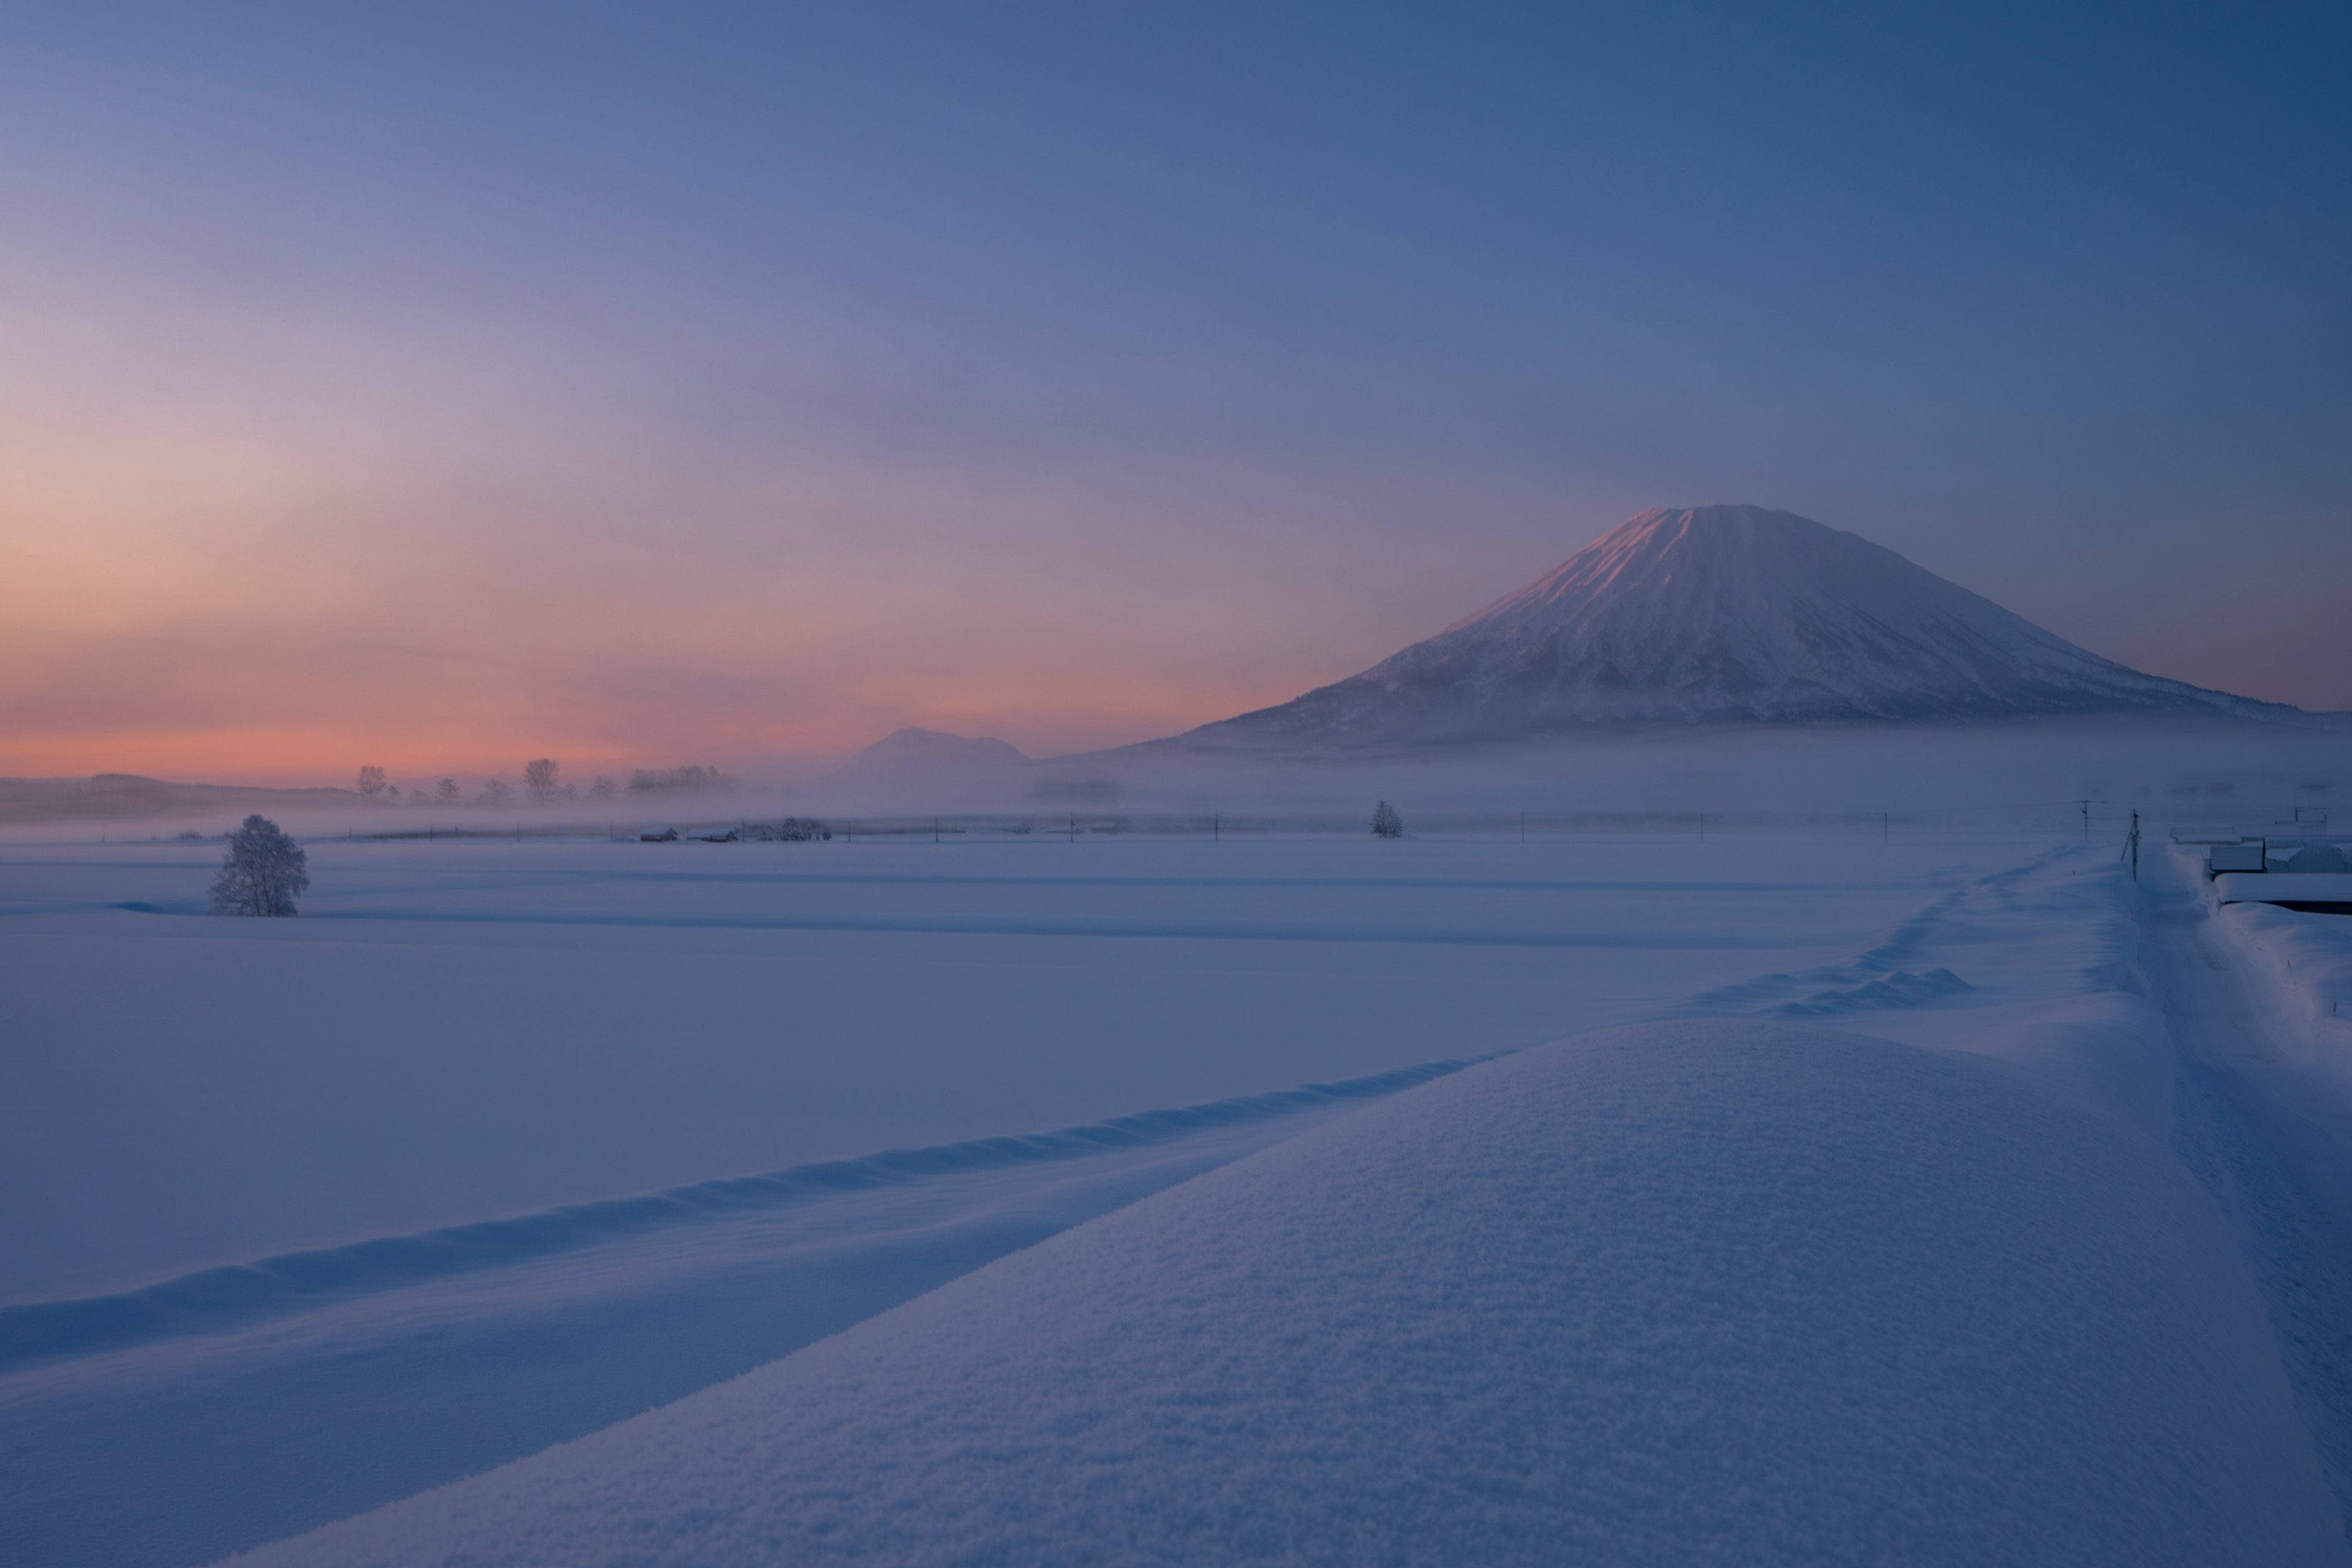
2255 999
484 1046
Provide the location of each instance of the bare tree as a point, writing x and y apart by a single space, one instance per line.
603 788
495 793
264 872
1386 823
372 781
541 776
447 792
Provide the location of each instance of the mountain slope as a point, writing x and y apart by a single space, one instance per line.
1722 613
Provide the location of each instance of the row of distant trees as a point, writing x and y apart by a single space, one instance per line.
543 783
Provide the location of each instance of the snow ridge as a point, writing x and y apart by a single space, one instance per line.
221 1297
1687 1293
1723 613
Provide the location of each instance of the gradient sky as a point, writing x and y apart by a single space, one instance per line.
440 386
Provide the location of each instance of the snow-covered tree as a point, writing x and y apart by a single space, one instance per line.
264 872
1386 823
541 776
372 781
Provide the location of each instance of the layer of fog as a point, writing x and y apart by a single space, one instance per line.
2022 774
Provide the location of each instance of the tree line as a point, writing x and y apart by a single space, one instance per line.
542 785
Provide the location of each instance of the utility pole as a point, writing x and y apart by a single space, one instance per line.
2086 820
2131 847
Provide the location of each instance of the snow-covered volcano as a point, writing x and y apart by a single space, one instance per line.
1722 613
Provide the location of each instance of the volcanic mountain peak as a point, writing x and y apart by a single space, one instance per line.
1722 613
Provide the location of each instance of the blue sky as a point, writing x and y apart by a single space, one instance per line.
744 381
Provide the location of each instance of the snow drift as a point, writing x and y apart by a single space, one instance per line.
1685 1293
1722 613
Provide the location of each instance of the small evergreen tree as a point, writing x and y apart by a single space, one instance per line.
1386 823
264 872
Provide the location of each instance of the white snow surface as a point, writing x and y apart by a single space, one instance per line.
1723 613
457 1031
540 1135
490 1052
1683 1293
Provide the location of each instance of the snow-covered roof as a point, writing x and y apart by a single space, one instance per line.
1691 1293
2284 888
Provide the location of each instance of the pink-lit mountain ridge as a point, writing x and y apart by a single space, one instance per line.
1723 614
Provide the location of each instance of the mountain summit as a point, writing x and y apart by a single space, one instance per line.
1715 615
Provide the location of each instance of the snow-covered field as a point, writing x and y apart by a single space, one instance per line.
452 1031
502 1144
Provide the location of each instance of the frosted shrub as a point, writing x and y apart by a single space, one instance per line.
1386 823
263 873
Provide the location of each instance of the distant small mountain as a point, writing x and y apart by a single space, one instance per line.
914 748
1721 615
113 797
